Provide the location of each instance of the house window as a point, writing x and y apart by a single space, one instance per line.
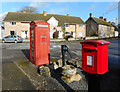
80 25
12 23
71 33
67 32
101 33
12 33
26 33
67 25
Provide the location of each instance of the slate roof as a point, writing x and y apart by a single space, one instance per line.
19 16
99 21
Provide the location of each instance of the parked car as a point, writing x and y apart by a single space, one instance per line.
12 38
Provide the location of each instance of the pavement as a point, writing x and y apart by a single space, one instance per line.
17 54
12 77
12 52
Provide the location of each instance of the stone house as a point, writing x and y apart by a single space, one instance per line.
19 23
99 27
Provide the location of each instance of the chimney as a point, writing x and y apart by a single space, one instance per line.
101 17
24 11
109 22
68 14
90 14
44 13
105 19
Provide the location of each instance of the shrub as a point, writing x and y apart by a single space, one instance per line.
55 34
119 35
68 36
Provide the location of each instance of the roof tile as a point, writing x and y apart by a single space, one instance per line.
19 16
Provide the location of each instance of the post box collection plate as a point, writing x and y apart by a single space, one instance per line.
89 60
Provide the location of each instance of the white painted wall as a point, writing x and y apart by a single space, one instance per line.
116 33
73 34
80 34
0 32
106 31
53 22
60 34
51 34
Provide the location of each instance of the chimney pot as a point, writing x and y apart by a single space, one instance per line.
109 22
101 17
24 11
90 14
44 13
105 19
68 14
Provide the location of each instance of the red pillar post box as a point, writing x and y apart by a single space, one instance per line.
39 42
95 56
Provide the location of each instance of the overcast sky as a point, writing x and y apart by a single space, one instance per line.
108 10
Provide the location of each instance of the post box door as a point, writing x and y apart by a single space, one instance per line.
90 56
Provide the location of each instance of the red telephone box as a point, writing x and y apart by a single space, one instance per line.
95 56
39 42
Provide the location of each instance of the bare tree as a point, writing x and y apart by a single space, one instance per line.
28 9
2 17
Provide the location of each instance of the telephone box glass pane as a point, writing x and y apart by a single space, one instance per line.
89 60
32 39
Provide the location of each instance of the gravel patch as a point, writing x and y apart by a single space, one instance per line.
41 82
51 83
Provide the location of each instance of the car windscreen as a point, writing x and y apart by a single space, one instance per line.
7 36
12 36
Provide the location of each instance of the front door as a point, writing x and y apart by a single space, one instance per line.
73 33
12 32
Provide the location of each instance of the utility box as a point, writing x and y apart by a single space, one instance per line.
39 42
95 56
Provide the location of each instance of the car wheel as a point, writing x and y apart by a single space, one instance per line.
3 41
15 41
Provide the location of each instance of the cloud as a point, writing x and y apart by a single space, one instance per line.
58 10
93 7
115 20
39 4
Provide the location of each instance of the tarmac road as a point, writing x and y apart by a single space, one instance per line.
111 80
11 51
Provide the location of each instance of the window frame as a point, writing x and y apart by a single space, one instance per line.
67 24
13 23
80 25
15 32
